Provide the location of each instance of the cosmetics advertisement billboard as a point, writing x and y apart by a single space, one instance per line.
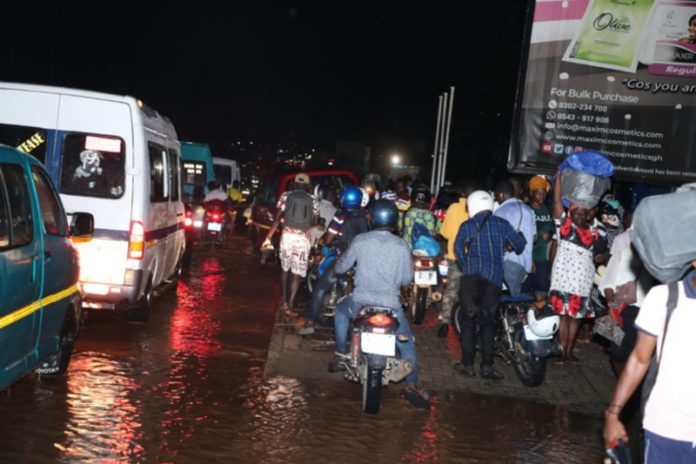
616 76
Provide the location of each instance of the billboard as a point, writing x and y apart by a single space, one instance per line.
617 76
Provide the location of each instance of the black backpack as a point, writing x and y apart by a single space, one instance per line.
354 223
299 210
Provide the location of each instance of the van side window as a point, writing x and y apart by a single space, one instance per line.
93 165
55 222
174 178
16 187
30 140
157 175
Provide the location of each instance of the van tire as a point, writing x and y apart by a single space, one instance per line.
141 311
58 363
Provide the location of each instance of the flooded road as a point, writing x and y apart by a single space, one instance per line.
188 386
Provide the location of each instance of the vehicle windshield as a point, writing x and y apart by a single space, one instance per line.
93 165
31 140
195 173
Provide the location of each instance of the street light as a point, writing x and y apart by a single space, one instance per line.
396 159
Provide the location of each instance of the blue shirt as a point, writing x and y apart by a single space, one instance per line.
521 218
486 247
384 265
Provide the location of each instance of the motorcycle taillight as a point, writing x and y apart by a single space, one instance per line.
425 263
379 320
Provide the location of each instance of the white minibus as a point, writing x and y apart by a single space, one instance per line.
119 160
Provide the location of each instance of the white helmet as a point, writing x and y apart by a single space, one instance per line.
479 201
544 327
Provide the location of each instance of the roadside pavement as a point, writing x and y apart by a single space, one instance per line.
584 388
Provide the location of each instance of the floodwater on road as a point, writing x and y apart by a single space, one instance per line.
188 386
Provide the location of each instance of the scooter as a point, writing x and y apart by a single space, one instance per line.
373 361
524 336
343 285
216 220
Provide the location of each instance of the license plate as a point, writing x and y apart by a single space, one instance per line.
532 336
197 224
382 344
215 226
426 277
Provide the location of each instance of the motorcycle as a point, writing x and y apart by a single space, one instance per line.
342 285
373 362
524 336
427 285
215 220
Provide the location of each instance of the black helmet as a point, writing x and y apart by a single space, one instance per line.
383 215
421 195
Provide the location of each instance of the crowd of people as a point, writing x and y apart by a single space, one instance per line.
517 238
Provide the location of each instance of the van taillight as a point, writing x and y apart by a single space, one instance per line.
136 243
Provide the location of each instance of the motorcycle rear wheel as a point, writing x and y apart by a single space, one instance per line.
530 369
420 305
372 390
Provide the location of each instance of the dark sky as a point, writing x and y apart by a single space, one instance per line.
310 72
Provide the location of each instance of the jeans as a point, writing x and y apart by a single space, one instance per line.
479 299
513 276
540 280
659 450
322 286
347 309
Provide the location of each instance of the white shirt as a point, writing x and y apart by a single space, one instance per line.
521 218
216 194
623 267
671 409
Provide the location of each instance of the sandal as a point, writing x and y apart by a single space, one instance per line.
572 359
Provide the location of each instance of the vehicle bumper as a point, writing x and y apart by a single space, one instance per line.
113 296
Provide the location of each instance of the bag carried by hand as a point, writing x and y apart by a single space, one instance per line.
607 327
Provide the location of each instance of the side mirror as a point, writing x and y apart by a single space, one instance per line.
82 224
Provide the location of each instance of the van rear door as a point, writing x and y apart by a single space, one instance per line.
21 272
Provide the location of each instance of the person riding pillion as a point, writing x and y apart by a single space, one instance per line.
347 223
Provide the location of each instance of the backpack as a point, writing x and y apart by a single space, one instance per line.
299 210
354 223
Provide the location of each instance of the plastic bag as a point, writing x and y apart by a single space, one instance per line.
663 233
428 245
582 188
590 162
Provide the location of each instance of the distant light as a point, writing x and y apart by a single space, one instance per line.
396 159
140 103
331 162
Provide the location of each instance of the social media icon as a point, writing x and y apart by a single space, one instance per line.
547 148
568 149
558 149
578 148
551 115
553 104
548 135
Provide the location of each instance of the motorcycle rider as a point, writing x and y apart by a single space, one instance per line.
214 192
419 213
383 267
347 223
480 245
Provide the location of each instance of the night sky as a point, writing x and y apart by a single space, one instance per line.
279 72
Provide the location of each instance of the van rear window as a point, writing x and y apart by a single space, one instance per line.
93 165
195 173
30 140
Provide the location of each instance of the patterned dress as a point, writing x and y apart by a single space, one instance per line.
573 270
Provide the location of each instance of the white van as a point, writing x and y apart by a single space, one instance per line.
226 172
114 157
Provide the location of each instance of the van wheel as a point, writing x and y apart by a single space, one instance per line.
58 363
141 311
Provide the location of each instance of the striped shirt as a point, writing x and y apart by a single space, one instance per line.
486 247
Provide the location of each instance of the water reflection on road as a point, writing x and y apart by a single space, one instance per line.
187 386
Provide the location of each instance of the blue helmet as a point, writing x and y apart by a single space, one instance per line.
351 196
384 215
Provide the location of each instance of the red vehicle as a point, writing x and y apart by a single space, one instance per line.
270 189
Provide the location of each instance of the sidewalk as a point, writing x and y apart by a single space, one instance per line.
584 388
